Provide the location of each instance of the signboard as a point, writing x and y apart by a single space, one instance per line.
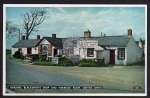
44 49
89 43
55 60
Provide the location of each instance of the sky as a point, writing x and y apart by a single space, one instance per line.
73 21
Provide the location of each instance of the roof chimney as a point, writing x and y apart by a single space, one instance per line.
87 34
101 34
23 37
53 35
130 32
104 35
38 36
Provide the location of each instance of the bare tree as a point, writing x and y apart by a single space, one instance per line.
32 19
11 29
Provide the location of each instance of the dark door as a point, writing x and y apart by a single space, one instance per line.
55 52
29 50
112 56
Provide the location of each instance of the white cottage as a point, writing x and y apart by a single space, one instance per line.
113 49
29 46
51 46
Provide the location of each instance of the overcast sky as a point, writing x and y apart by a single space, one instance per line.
73 21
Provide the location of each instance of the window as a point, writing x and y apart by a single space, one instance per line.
90 52
44 49
121 53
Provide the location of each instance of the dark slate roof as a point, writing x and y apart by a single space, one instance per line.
26 43
112 40
56 42
115 41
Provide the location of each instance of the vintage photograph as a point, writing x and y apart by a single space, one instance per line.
59 49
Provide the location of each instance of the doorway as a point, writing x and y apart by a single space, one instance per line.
29 50
55 52
112 56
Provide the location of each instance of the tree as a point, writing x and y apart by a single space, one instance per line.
32 19
11 29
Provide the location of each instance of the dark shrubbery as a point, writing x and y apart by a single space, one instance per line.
66 62
33 56
42 57
92 63
49 59
62 62
18 55
58 55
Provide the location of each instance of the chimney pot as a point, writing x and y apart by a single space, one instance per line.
104 35
53 35
38 36
87 34
129 32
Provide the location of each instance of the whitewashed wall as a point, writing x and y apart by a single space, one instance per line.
35 50
134 52
59 51
24 51
124 62
44 41
13 50
106 54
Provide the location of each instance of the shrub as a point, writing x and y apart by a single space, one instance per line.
62 59
92 63
64 63
58 55
42 57
18 55
49 59
33 56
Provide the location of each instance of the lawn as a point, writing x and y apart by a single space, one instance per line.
118 77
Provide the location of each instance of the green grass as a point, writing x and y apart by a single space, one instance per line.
119 77
43 63
8 56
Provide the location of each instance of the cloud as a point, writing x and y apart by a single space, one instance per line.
60 9
67 22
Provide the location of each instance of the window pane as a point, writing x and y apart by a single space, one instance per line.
90 52
121 53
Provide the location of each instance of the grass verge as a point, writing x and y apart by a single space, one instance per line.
8 56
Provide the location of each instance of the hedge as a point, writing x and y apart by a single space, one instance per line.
92 63
42 57
18 55
33 56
